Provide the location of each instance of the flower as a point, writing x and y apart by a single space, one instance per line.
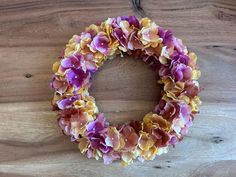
59 84
110 157
83 41
130 137
79 122
96 133
67 103
158 128
176 113
145 141
134 42
167 36
160 137
64 120
181 72
149 35
74 61
73 122
168 110
192 88
70 47
180 58
114 139
100 43
83 144
77 77
152 120
132 20
179 46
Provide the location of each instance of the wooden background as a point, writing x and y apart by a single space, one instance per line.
32 33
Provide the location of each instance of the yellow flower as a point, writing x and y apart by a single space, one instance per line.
126 158
152 121
195 103
145 141
145 22
149 33
83 145
87 104
70 47
196 74
55 66
150 154
193 59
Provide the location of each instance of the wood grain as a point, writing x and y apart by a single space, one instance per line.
32 34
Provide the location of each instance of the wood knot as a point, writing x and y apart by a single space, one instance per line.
28 75
216 46
216 139
158 167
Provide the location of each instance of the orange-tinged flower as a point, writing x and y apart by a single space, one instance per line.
145 22
150 153
145 141
126 158
114 139
195 103
149 35
79 122
152 120
83 145
130 137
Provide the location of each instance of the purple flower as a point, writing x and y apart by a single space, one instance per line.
100 43
178 113
77 77
110 157
67 102
134 42
74 61
79 61
181 72
167 36
118 33
178 67
132 20
96 131
179 57
179 46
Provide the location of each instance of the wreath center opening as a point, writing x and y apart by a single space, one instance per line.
125 89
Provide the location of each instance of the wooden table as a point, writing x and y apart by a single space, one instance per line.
32 34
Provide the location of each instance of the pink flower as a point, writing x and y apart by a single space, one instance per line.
59 84
178 113
110 157
181 72
96 133
100 43
192 89
130 136
161 138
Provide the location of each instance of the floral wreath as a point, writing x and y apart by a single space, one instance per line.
78 114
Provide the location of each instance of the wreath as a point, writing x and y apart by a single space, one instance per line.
78 114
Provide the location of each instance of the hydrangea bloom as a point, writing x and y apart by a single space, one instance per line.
166 55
